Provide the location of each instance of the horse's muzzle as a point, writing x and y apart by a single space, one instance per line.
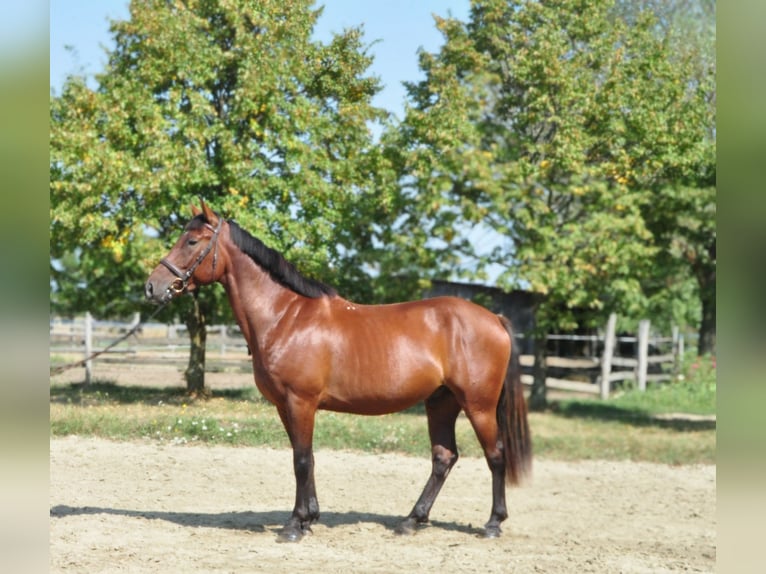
160 294
149 292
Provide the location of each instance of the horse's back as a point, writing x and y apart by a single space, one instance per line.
466 323
388 357
425 320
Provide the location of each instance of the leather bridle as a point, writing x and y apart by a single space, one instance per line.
179 285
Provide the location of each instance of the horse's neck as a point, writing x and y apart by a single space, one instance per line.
257 300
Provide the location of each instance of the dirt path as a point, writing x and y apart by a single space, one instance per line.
148 507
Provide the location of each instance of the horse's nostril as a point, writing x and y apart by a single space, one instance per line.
149 290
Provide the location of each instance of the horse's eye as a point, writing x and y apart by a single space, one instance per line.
192 242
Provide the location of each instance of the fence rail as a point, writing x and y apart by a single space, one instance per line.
83 336
613 368
152 342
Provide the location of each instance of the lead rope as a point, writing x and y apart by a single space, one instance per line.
81 363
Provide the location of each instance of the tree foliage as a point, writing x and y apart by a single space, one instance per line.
682 214
559 124
230 100
579 137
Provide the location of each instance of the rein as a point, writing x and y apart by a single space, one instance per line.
176 288
81 363
179 285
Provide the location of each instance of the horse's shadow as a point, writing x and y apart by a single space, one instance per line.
261 522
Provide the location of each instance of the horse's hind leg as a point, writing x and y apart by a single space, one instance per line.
442 409
486 427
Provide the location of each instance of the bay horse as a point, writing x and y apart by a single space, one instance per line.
312 349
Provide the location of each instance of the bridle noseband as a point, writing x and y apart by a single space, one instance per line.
179 285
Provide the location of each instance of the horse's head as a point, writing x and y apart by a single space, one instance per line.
192 261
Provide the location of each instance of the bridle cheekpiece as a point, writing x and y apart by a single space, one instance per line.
182 282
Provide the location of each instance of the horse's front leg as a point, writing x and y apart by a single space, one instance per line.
299 422
306 509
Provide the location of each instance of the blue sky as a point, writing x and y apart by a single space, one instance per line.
79 32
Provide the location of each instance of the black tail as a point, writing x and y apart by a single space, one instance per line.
512 417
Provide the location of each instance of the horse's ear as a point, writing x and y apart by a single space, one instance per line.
195 210
210 215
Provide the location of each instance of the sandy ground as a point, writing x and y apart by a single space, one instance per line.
152 507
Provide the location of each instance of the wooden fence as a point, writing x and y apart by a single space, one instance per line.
594 374
153 342
606 366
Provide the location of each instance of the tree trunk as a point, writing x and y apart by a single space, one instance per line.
706 345
537 398
196 323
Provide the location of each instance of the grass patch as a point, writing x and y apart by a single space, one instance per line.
631 425
571 437
237 416
622 428
694 394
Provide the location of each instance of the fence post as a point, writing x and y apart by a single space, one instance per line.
643 353
606 360
681 352
134 324
88 347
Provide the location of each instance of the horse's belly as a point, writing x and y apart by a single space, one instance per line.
377 396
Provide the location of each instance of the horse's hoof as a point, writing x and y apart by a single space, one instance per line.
406 527
290 534
492 532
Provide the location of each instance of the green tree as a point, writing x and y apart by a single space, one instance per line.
230 100
682 213
553 123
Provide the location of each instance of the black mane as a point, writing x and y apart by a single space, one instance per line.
280 270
